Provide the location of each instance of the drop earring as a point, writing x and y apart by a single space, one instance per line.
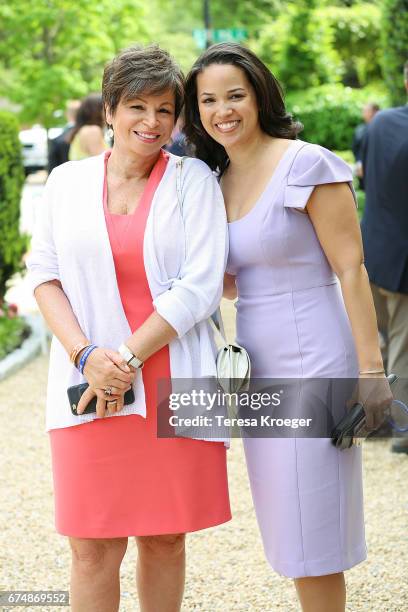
110 132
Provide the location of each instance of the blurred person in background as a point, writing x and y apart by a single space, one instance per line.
58 148
385 234
178 144
87 137
368 114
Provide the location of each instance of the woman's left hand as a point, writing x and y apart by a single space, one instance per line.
374 394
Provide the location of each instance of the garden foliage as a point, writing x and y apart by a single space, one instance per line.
330 113
395 48
12 244
12 333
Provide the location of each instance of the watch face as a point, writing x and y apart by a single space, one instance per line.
126 353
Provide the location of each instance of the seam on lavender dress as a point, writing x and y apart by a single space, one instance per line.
341 517
303 144
296 448
300 508
301 364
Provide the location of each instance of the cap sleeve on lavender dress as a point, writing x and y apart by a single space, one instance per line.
314 165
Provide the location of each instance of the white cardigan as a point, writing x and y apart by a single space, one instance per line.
184 256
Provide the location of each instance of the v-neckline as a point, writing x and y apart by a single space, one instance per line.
270 181
121 224
156 171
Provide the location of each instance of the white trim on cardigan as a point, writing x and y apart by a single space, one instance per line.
184 258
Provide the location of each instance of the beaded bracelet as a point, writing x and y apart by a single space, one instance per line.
85 356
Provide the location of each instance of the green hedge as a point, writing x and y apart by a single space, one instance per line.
12 333
12 244
330 113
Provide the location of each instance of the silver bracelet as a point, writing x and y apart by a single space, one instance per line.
373 372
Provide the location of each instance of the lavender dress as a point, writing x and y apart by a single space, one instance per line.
292 320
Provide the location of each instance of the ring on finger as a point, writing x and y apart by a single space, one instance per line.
108 390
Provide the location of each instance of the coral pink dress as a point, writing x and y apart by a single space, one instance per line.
113 477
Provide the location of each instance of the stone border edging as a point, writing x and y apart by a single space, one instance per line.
30 347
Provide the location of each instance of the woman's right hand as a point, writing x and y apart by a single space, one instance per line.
104 407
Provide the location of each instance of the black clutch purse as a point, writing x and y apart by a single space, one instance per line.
352 424
75 392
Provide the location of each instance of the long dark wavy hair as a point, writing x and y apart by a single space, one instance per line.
273 117
89 113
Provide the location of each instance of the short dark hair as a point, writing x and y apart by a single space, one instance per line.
273 117
373 106
90 112
140 69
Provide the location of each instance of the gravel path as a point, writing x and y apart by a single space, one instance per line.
226 567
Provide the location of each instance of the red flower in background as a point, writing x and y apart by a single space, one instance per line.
12 311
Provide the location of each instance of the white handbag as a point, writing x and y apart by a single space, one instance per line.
232 362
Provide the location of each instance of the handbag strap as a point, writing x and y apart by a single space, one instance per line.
179 169
218 323
216 318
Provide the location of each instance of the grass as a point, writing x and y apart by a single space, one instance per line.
12 333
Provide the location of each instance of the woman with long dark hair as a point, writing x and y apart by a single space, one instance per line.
304 311
86 137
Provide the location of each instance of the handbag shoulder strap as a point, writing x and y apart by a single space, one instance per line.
216 318
218 325
179 169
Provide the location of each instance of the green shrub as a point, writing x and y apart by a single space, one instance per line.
12 244
347 156
330 113
395 48
12 333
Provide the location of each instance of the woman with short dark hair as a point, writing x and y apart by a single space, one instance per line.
126 272
293 234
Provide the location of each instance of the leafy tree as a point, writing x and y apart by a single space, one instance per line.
298 47
356 38
178 21
395 47
53 50
250 14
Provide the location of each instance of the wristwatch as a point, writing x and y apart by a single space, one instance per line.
129 357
